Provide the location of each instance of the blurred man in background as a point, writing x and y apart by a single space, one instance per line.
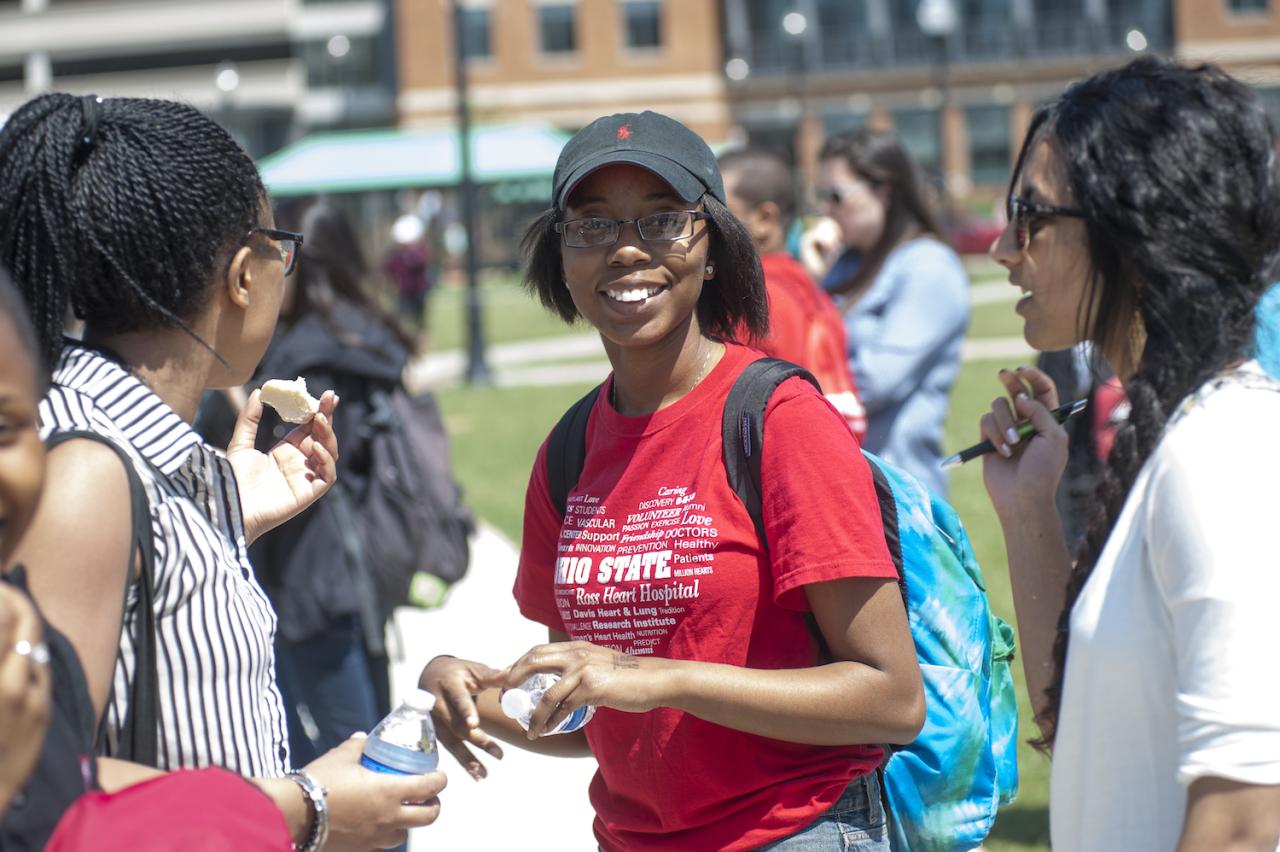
804 326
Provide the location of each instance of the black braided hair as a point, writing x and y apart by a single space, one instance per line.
1175 170
122 211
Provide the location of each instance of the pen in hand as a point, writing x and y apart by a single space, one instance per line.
1025 429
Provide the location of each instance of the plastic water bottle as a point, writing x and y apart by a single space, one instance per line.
404 743
518 704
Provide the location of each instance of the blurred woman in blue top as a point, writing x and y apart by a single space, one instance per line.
904 295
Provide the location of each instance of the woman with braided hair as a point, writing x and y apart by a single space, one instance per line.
1144 217
147 221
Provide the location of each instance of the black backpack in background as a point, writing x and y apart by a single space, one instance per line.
410 508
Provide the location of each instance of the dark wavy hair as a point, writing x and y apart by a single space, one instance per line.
121 211
332 267
732 302
1174 168
880 158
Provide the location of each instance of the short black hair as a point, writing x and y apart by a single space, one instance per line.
14 308
121 210
763 177
731 304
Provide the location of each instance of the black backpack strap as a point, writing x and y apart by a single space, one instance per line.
889 520
742 429
138 736
567 450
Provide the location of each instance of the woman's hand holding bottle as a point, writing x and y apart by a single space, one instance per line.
590 676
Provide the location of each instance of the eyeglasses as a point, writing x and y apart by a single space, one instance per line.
1023 214
594 231
290 245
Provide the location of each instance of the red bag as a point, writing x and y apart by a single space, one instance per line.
205 810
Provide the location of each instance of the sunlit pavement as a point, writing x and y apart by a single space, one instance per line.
528 802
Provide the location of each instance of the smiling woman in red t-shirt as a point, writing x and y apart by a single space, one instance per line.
719 724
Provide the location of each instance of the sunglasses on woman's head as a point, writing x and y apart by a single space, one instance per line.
1023 214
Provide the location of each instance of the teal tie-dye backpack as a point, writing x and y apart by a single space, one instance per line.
943 790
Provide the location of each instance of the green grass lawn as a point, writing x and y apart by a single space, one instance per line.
496 432
508 313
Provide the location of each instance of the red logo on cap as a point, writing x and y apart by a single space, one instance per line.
624 132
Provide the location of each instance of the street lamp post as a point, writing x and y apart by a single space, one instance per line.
477 370
938 20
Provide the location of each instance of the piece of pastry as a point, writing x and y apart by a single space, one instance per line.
290 399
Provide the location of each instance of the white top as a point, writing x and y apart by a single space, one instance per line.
218 701
1172 672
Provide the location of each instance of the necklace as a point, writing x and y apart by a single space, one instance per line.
702 374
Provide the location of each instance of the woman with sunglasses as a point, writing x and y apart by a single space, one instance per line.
719 725
904 294
1144 217
148 222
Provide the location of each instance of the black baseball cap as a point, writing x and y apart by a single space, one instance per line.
647 139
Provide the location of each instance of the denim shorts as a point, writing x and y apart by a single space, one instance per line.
855 823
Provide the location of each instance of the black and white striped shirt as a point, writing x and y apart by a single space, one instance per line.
219 704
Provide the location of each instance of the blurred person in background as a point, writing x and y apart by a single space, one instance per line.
804 326
329 652
1144 217
150 222
903 292
408 265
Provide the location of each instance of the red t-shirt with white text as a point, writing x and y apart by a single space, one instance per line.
658 556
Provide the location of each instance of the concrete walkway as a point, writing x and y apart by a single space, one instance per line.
529 802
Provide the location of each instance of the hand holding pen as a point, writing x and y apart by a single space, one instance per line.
1024 429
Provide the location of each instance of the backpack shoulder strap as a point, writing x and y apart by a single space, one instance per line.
139 731
567 449
888 518
742 429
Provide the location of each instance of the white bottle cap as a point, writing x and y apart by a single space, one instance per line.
420 700
516 703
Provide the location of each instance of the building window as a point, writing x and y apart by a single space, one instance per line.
918 130
840 122
1270 98
357 65
988 144
1247 6
556 29
643 20
475 34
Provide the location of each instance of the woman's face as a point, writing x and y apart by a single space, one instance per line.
1053 270
242 343
21 450
636 293
860 210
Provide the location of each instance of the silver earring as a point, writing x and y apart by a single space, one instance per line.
711 270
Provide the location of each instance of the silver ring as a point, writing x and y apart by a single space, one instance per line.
37 653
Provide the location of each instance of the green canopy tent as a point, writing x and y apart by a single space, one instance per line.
360 161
